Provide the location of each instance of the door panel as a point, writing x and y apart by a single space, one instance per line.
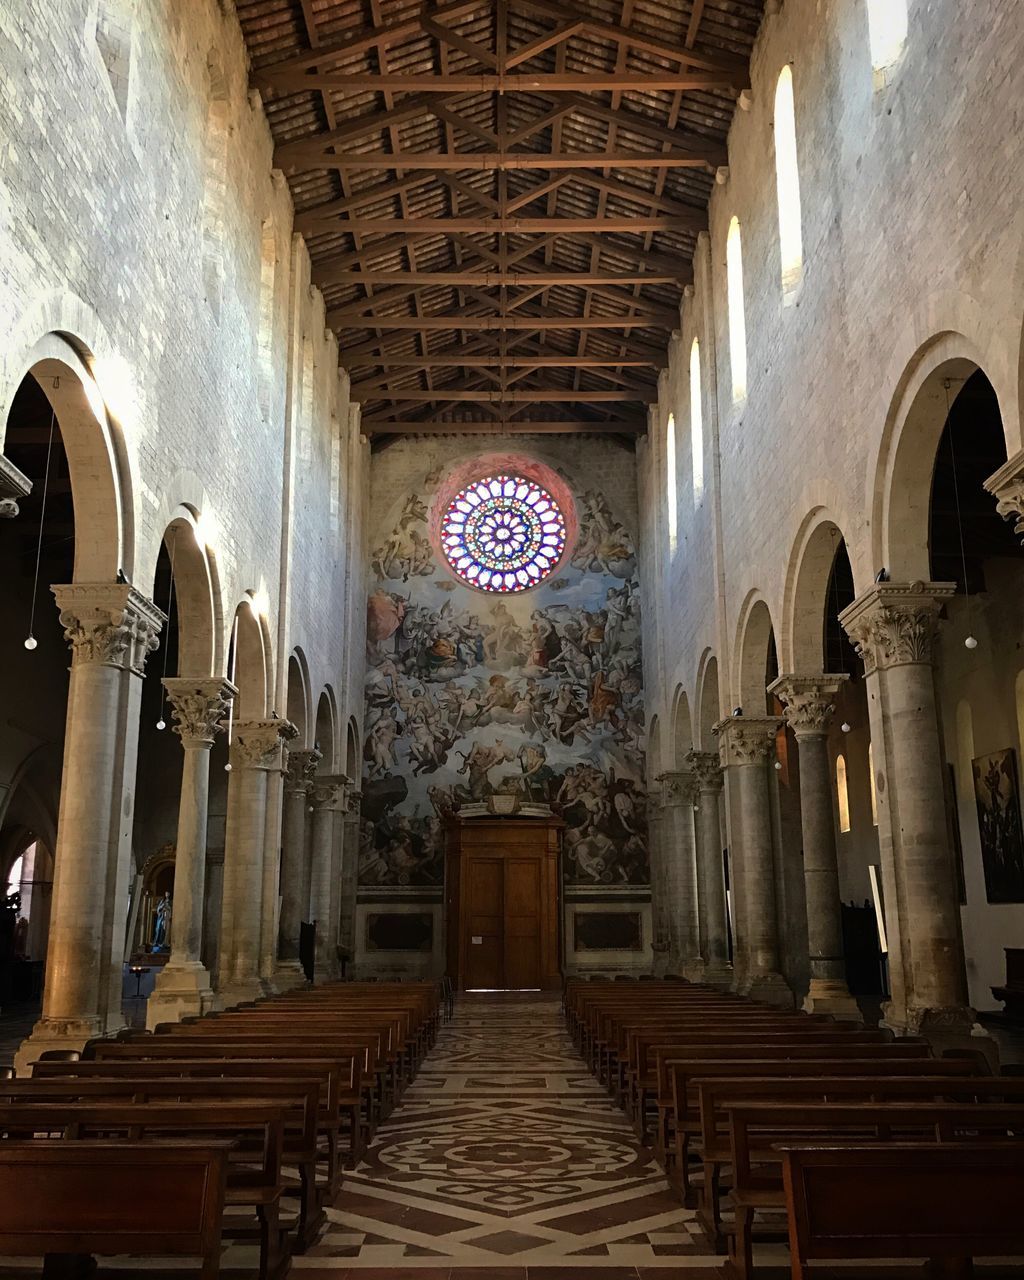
523 904
485 921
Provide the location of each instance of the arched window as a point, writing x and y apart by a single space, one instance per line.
787 181
737 318
670 481
696 422
842 795
874 785
887 31
14 875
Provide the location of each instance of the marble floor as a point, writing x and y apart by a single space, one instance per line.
507 1160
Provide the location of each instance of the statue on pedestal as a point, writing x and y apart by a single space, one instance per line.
162 925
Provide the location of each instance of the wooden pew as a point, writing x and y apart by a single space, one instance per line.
717 1097
947 1203
758 1128
254 1170
55 1199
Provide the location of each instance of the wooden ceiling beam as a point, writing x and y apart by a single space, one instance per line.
539 44
309 220
459 360
456 41
433 426
509 160
326 274
667 320
537 192
458 121
714 153
629 225
480 198
538 395
515 82
303 152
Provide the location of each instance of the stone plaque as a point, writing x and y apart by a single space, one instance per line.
608 931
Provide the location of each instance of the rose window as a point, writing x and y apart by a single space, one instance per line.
503 533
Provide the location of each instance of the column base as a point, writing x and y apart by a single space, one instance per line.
827 995
288 975
239 991
771 988
718 974
50 1035
953 1027
180 991
692 969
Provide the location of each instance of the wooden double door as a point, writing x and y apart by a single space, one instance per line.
503 909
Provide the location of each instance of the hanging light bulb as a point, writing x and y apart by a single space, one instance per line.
161 723
969 643
30 642
227 767
845 726
778 766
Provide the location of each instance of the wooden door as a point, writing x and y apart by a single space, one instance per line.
524 887
485 891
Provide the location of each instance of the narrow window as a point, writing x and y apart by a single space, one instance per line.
215 191
737 318
787 180
114 20
874 787
670 481
842 794
696 422
887 31
265 341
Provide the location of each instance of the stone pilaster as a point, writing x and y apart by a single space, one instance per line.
809 702
706 772
893 627
183 986
350 874
681 874
111 629
255 750
747 745
13 485
328 799
301 766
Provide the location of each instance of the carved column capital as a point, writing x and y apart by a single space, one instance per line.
198 706
109 623
809 701
300 768
355 801
894 623
13 485
746 739
676 788
706 769
328 791
257 743
1007 487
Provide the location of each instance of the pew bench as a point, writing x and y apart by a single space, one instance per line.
56 1200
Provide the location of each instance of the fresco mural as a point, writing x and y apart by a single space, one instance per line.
470 693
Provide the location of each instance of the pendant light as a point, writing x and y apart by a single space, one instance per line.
971 641
161 722
30 640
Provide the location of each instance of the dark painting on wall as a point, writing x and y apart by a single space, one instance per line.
607 931
399 931
1002 848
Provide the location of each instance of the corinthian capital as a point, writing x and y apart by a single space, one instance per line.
354 801
808 701
109 623
257 743
13 485
198 706
746 739
706 769
300 767
1007 487
328 791
676 788
894 623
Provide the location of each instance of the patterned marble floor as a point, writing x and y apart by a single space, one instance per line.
507 1160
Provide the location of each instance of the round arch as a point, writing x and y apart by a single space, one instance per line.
709 702
297 696
195 594
682 728
352 749
654 763
250 662
754 636
326 736
802 648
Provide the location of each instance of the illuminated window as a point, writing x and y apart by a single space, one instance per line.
696 422
842 794
887 31
874 788
14 876
737 318
670 481
787 180
503 533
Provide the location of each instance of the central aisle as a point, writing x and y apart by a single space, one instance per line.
506 1155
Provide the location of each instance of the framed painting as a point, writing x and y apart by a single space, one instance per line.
997 793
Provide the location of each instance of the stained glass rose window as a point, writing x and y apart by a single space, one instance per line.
503 533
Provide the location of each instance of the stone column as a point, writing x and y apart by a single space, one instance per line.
681 875
747 745
809 704
327 797
350 876
660 940
255 750
182 986
713 914
298 780
893 627
111 628
337 863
